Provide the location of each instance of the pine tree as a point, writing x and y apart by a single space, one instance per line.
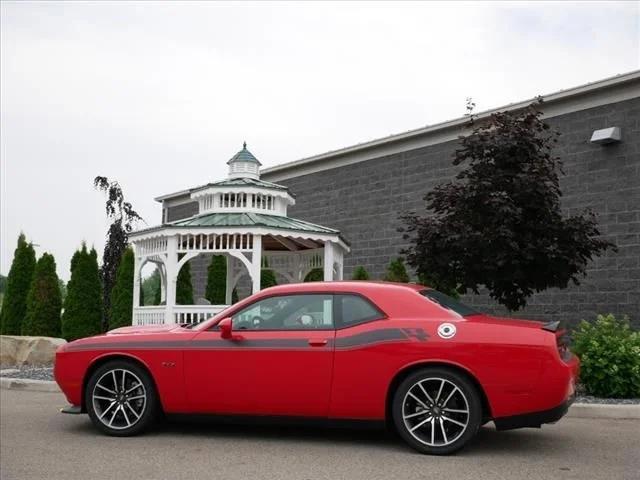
184 289
216 280
359 273
267 279
216 291
44 300
122 293
396 272
83 306
14 304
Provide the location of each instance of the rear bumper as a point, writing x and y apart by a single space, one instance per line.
534 419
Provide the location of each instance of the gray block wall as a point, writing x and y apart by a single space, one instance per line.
364 200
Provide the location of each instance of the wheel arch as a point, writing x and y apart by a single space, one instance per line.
108 357
407 370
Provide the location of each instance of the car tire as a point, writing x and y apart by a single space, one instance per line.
437 410
121 399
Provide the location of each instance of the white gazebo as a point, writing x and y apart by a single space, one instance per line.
245 219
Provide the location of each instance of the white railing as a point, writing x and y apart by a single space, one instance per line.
155 315
195 313
148 315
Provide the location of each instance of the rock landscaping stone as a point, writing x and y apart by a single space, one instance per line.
22 350
29 373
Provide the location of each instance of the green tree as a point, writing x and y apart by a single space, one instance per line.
315 275
14 304
157 291
267 278
184 289
122 292
216 290
359 273
396 272
431 281
63 288
150 289
82 315
216 280
123 219
44 300
499 223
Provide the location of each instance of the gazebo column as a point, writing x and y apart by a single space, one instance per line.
137 261
329 258
229 291
256 263
171 274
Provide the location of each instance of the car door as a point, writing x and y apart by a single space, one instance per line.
278 362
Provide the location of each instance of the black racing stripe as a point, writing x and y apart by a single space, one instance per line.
353 341
368 338
265 343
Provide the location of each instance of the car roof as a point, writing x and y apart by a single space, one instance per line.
342 286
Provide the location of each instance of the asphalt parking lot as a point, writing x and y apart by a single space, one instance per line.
38 442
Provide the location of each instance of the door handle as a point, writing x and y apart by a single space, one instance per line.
317 342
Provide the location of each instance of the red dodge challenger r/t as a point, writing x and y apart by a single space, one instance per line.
407 355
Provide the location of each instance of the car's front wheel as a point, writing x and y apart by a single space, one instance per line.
121 399
436 410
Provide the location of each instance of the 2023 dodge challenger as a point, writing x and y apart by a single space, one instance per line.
406 354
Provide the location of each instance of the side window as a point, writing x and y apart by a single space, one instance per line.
287 312
355 309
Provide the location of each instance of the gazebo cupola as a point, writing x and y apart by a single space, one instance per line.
245 220
244 165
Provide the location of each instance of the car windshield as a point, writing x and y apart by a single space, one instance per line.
448 302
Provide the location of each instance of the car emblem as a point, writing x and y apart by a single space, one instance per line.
446 330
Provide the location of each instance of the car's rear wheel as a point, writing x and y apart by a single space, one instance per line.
436 410
121 399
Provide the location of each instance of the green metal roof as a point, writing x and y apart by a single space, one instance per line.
244 155
249 219
241 182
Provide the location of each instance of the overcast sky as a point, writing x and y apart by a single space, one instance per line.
160 95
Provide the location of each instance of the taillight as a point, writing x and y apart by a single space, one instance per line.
563 341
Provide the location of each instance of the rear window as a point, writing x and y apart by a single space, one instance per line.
448 302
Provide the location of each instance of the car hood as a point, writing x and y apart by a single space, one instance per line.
143 329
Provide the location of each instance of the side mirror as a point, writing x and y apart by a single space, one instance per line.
225 326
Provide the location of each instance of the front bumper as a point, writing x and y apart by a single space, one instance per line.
534 419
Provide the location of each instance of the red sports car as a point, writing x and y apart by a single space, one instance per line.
407 355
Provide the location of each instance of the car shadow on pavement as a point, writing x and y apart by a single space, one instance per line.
487 441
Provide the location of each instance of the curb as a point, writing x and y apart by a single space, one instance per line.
600 410
29 385
577 410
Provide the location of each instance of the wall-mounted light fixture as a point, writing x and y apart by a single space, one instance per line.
606 136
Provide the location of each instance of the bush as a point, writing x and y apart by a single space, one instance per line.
14 304
609 352
315 275
82 315
44 300
396 272
122 292
359 273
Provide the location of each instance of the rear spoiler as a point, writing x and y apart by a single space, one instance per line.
551 326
